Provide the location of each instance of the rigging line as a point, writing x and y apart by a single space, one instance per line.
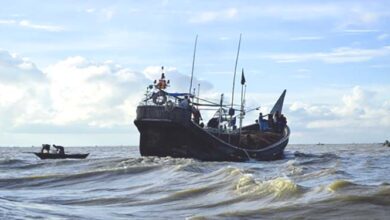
211 105
213 102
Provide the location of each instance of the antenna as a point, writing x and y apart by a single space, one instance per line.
193 63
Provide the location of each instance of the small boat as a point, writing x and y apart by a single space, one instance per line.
61 156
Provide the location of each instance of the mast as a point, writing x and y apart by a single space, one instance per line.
193 63
235 70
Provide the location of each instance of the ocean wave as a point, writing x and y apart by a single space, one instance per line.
99 201
292 168
358 202
48 180
339 184
309 155
8 162
322 173
163 161
181 195
324 186
279 187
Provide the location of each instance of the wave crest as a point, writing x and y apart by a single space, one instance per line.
279 187
339 184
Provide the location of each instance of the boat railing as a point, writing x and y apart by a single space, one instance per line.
159 112
149 100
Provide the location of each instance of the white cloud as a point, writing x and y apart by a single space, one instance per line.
352 17
383 37
298 11
108 13
361 16
90 10
306 38
359 31
179 82
29 24
345 15
80 95
16 68
23 91
360 108
354 103
360 115
349 13
338 55
224 38
93 93
210 16
51 28
302 74
7 21
75 94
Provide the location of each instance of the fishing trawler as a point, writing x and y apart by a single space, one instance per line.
169 125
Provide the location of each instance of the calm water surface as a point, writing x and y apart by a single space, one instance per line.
312 182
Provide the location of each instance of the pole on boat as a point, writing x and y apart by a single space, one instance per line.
243 81
197 98
193 63
231 112
220 112
244 93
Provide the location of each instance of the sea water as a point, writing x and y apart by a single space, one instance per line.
345 181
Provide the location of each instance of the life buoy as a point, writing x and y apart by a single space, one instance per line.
159 98
169 106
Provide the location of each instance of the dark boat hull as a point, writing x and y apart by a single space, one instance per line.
61 156
172 133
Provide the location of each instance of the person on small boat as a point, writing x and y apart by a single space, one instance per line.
162 83
270 122
60 149
45 148
232 123
197 115
280 122
185 103
283 121
276 117
276 122
263 123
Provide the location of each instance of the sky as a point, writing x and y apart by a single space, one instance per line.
72 72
